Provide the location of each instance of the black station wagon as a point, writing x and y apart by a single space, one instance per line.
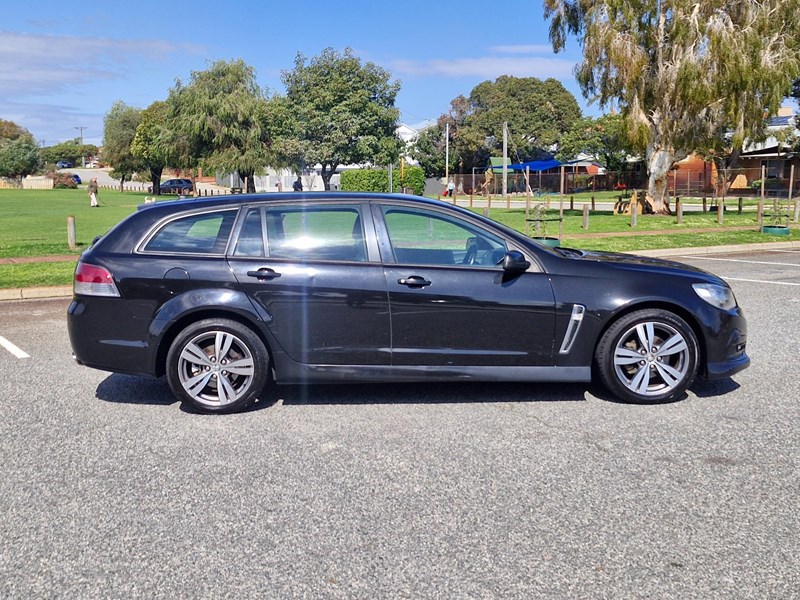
225 294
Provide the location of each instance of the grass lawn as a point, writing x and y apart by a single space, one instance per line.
34 223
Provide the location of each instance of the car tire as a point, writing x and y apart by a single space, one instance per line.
647 357
217 366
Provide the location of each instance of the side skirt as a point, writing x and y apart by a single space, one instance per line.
390 374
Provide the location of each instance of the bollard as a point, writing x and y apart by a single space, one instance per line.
741 204
586 216
71 232
679 210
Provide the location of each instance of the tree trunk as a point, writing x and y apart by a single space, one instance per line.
155 179
327 173
122 184
659 161
249 181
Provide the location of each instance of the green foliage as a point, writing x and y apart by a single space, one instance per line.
604 138
119 128
429 150
18 157
144 146
685 74
220 119
377 180
340 112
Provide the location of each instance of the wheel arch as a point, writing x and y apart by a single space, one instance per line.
183 322
676 309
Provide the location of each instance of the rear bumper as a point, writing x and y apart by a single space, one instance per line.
128 351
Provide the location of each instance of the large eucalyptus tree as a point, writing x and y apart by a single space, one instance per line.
682 71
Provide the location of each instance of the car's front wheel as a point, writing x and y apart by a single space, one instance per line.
648 356
217 365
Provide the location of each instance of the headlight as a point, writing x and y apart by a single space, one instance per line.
716 295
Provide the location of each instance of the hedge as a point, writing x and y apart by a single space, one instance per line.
377 180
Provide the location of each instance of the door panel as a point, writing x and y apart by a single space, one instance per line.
327 304
451 303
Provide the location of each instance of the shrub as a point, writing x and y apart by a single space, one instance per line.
377 180
62 181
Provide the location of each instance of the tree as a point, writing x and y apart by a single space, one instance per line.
19 154
681 70
538 113
604 138
429 150
145 147
71 150
221 117
342 111
119 128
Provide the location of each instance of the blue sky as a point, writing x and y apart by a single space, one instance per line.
62 65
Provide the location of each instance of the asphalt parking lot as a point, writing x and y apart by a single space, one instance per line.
108 488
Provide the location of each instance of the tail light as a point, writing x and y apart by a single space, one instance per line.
91 280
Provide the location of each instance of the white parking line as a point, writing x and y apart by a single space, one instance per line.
12 348
758 281
738 260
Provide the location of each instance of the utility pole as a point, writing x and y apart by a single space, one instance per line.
83 156
505 159
447 153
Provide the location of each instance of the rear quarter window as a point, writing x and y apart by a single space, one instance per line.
205 233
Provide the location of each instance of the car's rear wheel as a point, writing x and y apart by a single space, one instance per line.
648 356
217 365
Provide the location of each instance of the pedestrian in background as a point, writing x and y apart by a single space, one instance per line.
297 186
93 192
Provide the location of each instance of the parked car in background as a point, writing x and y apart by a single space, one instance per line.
176 186
223 294
93 164
76 178
64 164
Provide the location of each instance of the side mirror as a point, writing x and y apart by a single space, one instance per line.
514 262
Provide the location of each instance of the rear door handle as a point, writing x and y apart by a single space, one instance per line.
264 273
414 281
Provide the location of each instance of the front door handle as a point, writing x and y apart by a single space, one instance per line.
264 273
415 281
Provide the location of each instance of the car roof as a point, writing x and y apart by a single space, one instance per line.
237 199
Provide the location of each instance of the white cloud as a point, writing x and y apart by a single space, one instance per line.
488 67
522 49
47 64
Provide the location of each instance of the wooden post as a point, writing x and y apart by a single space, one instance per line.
679 210
586 216
486 211
634 209
760 215
71 232
490 201
741 204
572 202
763 180
797 210
720 210
705 206
470 199
592 202
508 201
